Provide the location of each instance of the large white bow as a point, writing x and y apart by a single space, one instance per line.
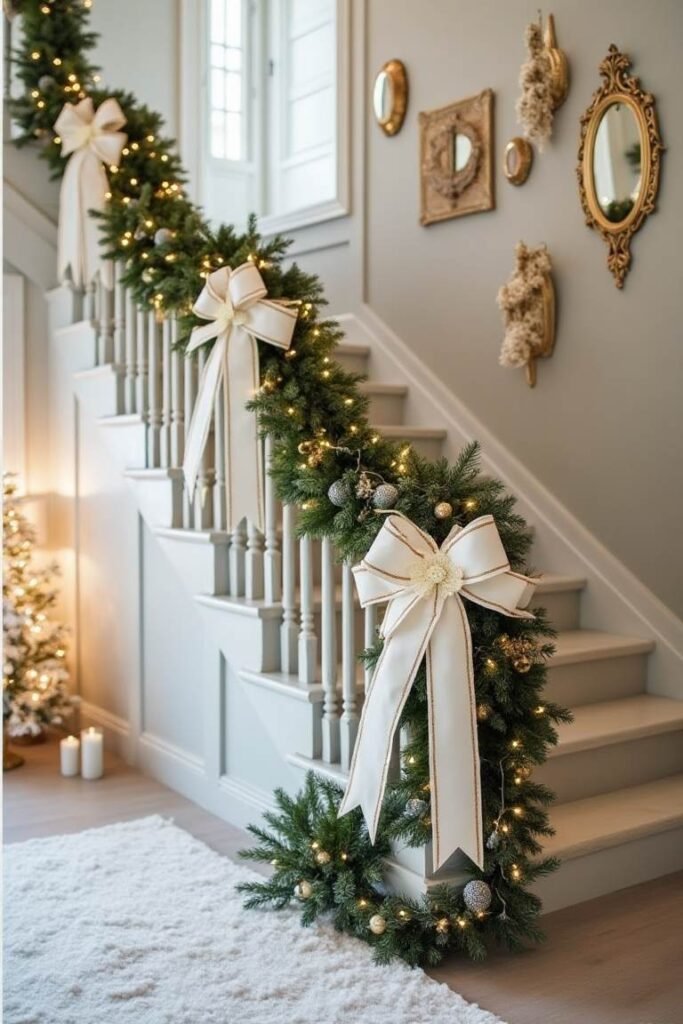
92 138
426 618
234 302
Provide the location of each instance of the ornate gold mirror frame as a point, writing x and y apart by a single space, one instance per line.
620 87
391 121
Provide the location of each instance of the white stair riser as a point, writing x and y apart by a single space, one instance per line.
430 448
351 361
160 501
590 682
562 608
386 408
101 392
257 640
127 442
573 776
610 869
202 566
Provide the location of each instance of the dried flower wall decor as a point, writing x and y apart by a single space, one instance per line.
527 301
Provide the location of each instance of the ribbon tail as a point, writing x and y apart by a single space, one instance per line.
200 423
453 742
244 478
391 683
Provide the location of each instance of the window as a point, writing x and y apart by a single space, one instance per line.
274 113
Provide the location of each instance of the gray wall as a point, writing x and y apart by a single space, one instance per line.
602 430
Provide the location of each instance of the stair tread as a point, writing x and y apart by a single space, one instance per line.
371 387
598 822
613 721
556 582
124 419
406 432
574 645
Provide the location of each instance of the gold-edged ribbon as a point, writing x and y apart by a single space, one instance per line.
238 313
93 139
426 588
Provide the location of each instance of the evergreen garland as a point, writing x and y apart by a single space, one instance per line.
317 418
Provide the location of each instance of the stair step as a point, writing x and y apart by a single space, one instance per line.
427 441
593 645
560 596
615 744
352 356
386 401
599 822
590 666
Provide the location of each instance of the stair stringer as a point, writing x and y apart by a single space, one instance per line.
615 600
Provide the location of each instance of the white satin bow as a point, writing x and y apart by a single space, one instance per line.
426 618
92 138
234 302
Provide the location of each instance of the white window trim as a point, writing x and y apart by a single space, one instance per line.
193 84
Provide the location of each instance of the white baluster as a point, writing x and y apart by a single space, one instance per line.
272 564
190 388
288 628
220 513
92 314
253 575
177 431
349 719
141 377
203 495
119 319
129 385
165 447
329 656
238 548
105 304
370 638
154 384
308 643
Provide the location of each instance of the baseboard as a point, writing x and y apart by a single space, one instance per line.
616 600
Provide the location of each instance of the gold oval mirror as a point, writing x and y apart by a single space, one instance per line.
619 158
517 160
390 97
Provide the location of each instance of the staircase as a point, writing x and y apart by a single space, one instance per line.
284 616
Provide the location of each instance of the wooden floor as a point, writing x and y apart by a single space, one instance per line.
615 960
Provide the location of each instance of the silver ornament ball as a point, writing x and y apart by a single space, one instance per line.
443 510
339 493
385 496
303 891
415 807
162 236
377 924
477 896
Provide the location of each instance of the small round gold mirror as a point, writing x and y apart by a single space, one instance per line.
517 160
390 97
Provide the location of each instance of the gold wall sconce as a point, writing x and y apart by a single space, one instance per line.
517 161
544 81
527 301
390 96
559 65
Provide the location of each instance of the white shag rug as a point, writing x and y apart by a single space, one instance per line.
139 923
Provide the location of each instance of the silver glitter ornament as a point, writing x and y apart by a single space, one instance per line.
415 807
339 493
162 236
385 496
477 896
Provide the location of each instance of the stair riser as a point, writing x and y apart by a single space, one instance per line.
608 768
128 442
203 567
429 448
561 607
351 362
605 871
589 682
160 502
386 409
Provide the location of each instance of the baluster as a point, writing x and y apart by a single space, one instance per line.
349 719
91 314
370 639
154 400
142 318
130 385
165 446
329 656
190 390
253 578
308 643
106 317
177 430
119 319
203 512
220 513
288 628
238 549
272 565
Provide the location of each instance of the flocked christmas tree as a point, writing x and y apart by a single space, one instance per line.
35 677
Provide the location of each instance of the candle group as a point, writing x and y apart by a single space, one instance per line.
91 750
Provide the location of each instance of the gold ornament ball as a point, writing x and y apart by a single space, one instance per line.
443 510
522 664
322 857
442 925
303 891
377 924
483 712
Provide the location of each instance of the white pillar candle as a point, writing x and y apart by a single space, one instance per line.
68 755
92 753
